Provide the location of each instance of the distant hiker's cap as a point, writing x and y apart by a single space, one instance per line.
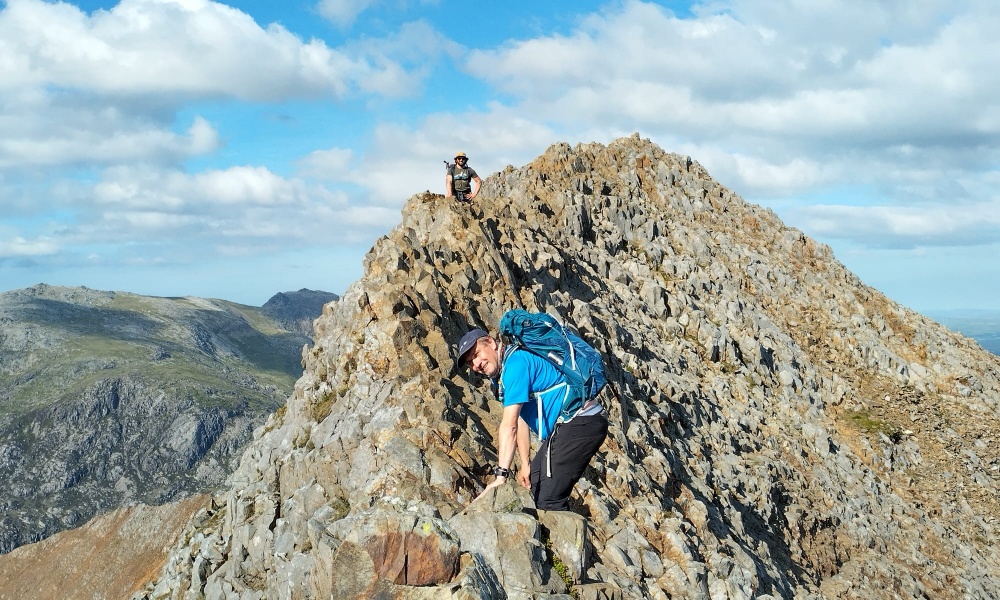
457 156
468 342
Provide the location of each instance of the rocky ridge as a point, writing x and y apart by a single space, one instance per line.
111 398
779 429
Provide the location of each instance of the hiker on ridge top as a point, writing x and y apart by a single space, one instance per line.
525 383
459 179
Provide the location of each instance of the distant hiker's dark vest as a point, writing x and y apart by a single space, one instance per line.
461 179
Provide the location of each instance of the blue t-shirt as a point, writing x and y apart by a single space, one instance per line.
532 382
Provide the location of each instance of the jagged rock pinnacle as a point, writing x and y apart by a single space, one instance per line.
780 429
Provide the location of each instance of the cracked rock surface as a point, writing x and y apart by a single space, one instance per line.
779 429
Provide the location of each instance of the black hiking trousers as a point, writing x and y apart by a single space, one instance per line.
571 445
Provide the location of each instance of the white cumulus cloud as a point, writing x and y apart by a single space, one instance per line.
193 48
106 87
17 246
782 99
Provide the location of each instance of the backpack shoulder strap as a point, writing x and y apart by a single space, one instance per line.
508 349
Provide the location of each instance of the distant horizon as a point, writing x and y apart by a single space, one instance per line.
171 296
952 313
970 312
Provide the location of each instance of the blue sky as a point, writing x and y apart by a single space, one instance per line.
189 147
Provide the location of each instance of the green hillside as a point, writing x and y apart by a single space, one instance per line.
108 398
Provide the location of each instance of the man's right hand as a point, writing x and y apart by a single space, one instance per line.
524 475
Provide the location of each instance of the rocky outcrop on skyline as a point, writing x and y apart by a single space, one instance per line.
112 398
779 429
295 311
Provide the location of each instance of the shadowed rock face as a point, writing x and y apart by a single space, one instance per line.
778 428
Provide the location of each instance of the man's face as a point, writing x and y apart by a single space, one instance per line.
484 358
461 160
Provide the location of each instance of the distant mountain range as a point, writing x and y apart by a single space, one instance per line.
112 398
980 325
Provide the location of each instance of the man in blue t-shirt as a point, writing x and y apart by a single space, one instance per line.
531 391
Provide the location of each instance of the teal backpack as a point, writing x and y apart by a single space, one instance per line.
579 363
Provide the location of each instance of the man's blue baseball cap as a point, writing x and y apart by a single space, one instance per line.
468 342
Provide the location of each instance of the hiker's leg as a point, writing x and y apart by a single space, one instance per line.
537 470
572 446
